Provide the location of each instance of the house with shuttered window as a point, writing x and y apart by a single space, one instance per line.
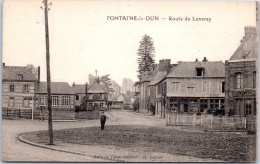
19 86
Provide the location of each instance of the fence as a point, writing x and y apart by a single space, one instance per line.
208 121
15 112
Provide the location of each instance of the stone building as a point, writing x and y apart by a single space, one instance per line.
63 96
195 87
241 76
19 86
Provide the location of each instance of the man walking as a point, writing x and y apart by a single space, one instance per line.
103 118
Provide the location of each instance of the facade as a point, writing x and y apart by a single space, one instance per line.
63 96
96 97
80 93
241 76
195 87
156 100
19 86
144 91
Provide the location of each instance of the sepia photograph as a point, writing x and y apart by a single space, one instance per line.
129 81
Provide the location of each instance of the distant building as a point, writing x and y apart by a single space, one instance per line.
62 95
127 85
19 86
80 93
96 97
241 76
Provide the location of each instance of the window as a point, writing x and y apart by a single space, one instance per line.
191 89
90 105
26 102
248 107
43 101
19 77
11 88
200 71
11 101
65 100
77 97
159 88
205 86
26 88
254 79
214 104
203 105
101 105
96 96
221 87
55 100
176 86
239 80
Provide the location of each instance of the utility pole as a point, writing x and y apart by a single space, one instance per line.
46 9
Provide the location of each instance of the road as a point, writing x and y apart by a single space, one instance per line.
15 150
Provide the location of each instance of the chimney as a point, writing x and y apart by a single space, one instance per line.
3 65
73 85
39 73
164 65
196 60
205 59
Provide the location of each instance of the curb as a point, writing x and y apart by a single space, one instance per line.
67 151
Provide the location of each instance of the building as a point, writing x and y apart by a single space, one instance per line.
19 84
80 93
155 87
96 97
63 96
241 76
195 87
144 99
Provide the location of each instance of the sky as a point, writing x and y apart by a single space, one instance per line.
82 40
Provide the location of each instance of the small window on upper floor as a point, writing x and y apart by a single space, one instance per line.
19 77
200 71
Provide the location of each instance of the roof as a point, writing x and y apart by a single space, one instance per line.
10 73
127 98
79 88
148 75
96 88
188 69
56 88
248 48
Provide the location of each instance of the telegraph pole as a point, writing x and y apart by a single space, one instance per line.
46 9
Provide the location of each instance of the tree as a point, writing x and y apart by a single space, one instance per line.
105 80
145 55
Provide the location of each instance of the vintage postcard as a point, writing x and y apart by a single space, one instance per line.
129 81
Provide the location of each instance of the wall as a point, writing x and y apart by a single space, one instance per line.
71 106
18 94
214 90
246 68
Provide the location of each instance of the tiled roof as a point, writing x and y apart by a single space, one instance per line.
158 77
79 88
188 69
96 88
10 73
248 49
56 88
148 75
